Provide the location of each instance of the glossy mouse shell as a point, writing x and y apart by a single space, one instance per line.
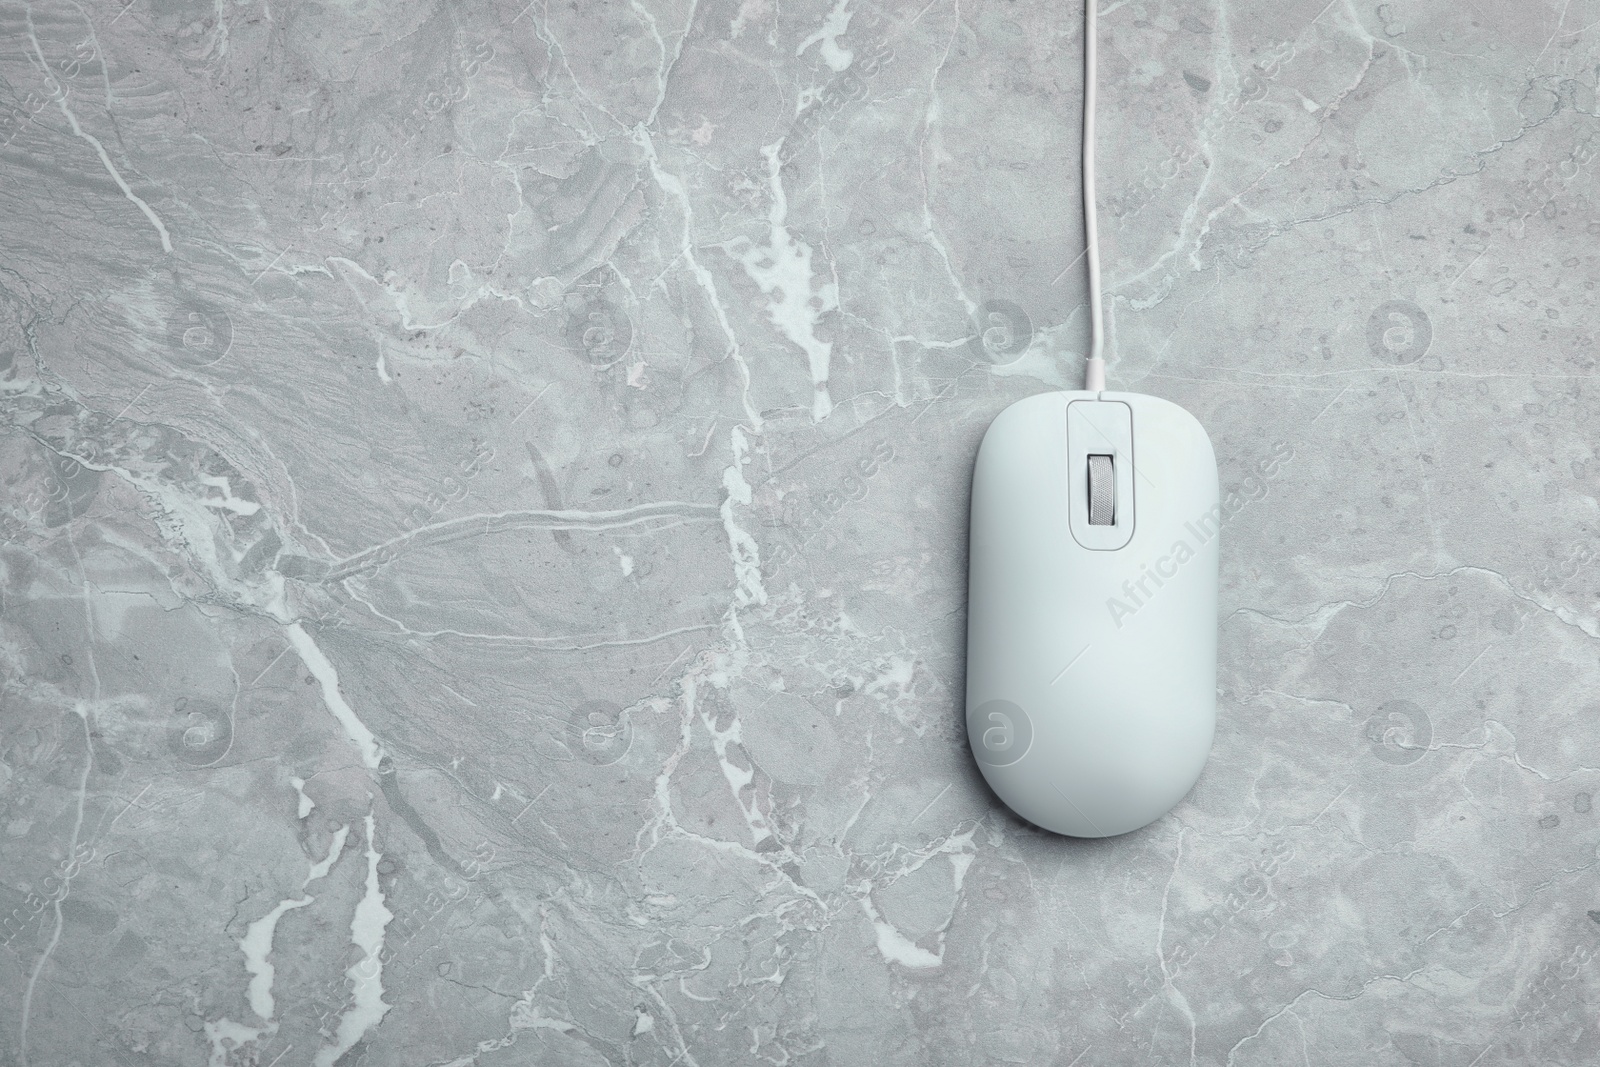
1091 675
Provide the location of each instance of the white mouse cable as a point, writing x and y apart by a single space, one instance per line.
1094 373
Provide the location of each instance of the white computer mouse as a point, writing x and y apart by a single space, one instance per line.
1092 609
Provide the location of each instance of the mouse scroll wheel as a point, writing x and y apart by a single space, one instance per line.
1102 492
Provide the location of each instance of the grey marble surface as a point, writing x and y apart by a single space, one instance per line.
483 513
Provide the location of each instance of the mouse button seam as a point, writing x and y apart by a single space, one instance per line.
1133 460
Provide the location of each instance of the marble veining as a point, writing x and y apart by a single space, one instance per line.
483 525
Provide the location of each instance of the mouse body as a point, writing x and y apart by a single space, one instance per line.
1092 609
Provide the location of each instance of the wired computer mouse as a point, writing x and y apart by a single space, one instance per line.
1092 589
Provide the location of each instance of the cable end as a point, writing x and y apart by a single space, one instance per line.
1094 375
